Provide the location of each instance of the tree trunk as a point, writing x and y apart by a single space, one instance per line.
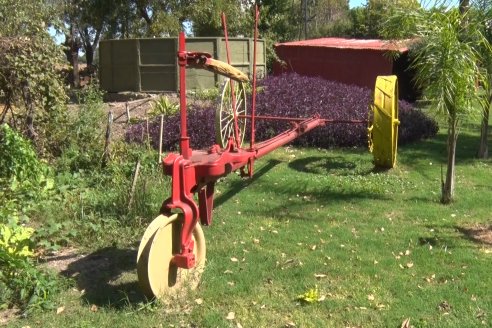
26 95
464 6
483 149
89 45
72 53
447 192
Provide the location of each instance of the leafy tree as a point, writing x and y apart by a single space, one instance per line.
29 79
367 21
482 15
446 62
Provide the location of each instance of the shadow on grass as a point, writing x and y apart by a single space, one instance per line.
237 186
434 150
480 234
107 277
338 165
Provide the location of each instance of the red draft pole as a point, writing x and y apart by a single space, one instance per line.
253 101
231 83
184 141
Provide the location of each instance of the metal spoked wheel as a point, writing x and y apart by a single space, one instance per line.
233 99
157 275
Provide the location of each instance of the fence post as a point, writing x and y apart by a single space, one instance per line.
160 138
107 139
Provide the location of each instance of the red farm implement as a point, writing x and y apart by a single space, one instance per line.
172 250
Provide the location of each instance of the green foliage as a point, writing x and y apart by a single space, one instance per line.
446 58
84 142
207 94
164 106
19 162
23 178
21 283
33 91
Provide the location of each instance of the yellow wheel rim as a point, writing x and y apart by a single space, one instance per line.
157 275
384 128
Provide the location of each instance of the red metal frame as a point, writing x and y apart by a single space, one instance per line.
196 171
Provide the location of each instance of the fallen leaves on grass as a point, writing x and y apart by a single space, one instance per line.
405 323
60 309
445 307
94 308
231 316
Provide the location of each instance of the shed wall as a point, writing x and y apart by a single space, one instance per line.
150 65
351 66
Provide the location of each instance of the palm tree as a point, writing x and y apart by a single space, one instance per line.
446 60
483 16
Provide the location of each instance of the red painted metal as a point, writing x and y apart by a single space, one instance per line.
196 171
182 60
296 119
253 101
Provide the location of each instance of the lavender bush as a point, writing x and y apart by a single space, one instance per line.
293 95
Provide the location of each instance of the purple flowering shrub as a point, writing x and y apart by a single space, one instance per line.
293 95
201 129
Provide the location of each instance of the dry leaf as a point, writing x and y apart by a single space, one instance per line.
60 309
233 259
407 252
405 323
199 301
313 247
370 297
319 275
256 241
231 316
409 264
228 272
290 324
94 308
238 325
231 283
275 231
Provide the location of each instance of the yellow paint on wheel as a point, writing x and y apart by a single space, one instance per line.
162 277
143 252
383 133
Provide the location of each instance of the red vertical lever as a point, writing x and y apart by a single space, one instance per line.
253 102
184 141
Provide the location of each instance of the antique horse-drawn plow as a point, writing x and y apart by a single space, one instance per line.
172 250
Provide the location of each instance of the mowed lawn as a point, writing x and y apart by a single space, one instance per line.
376 247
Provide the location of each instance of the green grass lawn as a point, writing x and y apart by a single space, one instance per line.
377 246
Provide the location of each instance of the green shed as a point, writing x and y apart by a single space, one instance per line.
150 65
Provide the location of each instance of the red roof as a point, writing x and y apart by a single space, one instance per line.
342 43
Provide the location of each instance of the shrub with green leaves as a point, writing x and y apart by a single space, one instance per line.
23 178
22 284
164 106
85 133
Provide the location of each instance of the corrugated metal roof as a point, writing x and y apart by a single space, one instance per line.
342 43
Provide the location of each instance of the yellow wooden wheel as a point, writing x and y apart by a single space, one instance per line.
157 275
383 133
